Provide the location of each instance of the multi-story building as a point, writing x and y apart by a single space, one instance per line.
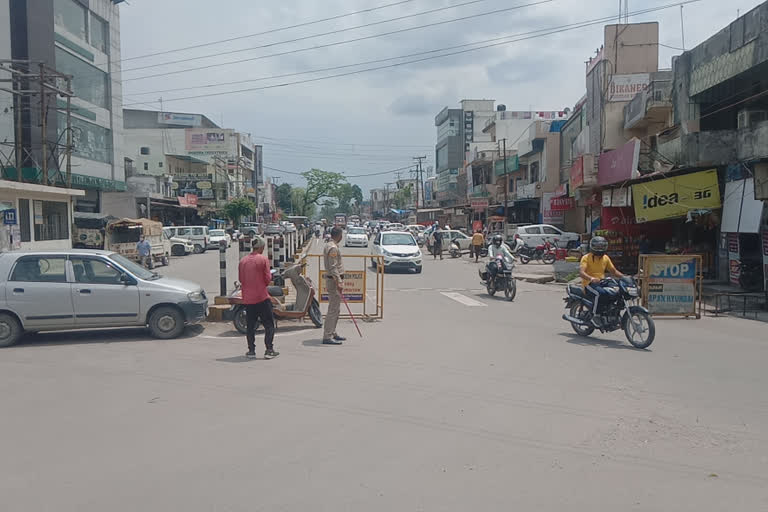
378 202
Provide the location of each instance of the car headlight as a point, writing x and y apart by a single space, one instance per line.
417 254
195 296
386 252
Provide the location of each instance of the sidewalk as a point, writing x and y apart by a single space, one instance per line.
727 299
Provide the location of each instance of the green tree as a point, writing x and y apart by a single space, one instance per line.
320 185
299 204
402 197
283 197
349 198
239 208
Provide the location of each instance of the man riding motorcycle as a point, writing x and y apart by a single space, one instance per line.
497 247
592 270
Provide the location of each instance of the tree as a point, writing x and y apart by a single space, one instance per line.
320 184
239 208
402 197
283 197
300 206
349 197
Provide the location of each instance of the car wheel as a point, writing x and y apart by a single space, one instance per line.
178 250
166 260
166 322
10 330
198 249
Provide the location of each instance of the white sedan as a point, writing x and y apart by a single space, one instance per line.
356 237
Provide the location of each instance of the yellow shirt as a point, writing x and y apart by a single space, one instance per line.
478 239
596 267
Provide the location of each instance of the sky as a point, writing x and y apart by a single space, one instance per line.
376 121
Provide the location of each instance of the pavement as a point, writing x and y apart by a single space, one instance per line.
455 401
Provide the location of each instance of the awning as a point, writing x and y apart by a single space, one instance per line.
741 211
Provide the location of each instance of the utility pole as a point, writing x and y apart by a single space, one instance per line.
386 197
419 183
506 184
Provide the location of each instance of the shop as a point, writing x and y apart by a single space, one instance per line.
743 237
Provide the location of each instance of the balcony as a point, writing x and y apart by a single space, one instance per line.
701 149
649 107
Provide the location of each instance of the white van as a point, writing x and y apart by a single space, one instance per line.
198 235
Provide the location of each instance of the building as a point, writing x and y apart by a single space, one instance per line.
66 37
378 202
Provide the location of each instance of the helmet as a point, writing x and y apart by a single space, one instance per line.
497 240
598 245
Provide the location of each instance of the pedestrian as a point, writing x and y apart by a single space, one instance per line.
334 285
437 244
144 248
254 274
478 240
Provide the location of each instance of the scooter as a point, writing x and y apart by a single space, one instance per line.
306 304
454 250
503 279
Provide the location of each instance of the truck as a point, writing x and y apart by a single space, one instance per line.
340 219
121 236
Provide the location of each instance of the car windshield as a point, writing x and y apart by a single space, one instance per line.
217 232
356 231
133 268
398 239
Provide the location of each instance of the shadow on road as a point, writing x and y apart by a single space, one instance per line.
239 359
588 341
318 343
122 335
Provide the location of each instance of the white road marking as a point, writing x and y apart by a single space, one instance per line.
463 299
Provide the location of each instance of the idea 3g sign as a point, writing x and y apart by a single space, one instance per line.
674 197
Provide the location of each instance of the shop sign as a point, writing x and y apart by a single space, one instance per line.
607 195
38 211
620 197
674 197
479 204
617 219
561 190
191 199
765 259
671 284
526 191
179 119
9 217
559 204
619 165
207 140
548 215
354 286
626 87
734 258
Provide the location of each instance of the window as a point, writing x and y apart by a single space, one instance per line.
72 16
89 83
26 230
184 232
51 220
197 231
90 141
533 231
40 269
160 164
534 172
146 166
549 230
99 34
93 271
144 150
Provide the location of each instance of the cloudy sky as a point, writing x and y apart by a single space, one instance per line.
373 121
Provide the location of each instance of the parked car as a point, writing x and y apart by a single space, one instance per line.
356 237
198 235
288 227
537 234
216 236
74 289
452 235
250 228
273 229
180 246
399 249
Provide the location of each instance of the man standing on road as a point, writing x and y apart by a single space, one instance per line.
334 284
437 242
254 275
478 240
144 248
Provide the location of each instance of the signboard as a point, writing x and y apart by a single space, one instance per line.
674 197
734 257
526 191
428 190
204 185
179 119
354 286
479 204
577 173
207 140
9 217
607 195
619 165
670 284
188 200
560 204
38 211
765 259
548 215
625 87
620 197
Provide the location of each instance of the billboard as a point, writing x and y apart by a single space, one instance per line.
625 87
191 120
208 140
675 197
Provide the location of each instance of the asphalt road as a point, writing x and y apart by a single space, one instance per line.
455 401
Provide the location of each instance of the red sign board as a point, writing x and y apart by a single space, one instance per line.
188 201
619 165
479 204
577 173
559 204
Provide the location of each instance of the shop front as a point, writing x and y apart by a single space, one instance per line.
744 236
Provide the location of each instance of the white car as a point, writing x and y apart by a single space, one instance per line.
181 246
356 237
536 234
399 249
218 235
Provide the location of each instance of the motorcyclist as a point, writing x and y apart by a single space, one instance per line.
497 247
594 265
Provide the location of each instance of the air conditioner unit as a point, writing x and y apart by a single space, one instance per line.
748 118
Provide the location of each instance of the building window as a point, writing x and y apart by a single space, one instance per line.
51 220
99 34
144 150
90 141
146 166
72 16
160 164
534 172
26 231
89 83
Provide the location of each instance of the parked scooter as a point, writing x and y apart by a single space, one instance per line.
503 279
454 250
544 253
306 302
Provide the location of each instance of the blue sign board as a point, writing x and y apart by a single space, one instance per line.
9 217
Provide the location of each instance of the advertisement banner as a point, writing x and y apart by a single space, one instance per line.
548 215
734 257
671 284
479 204
560 204
625 87
619 165
620 197
674 197
354 286
207 140
191 120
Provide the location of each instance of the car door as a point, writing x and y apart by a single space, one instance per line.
534 237
99 295
39 291
551 233
463 240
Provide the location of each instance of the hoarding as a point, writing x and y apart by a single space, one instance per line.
191 120
207 140
674 197
625 87
548 215
619 165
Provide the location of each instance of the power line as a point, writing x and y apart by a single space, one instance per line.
391 171
312 36
537 33
347 41
330 142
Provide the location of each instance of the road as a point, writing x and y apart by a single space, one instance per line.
455 401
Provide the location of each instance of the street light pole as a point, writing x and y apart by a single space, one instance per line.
506 186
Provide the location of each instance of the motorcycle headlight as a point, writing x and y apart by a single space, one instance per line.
632 291
195 296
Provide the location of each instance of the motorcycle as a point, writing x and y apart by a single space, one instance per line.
503 279
544 253
619 309
454 250
306 304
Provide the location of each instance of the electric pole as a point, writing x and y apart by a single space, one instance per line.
419 159
386 197
506 184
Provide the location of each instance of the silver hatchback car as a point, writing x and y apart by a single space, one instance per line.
81 289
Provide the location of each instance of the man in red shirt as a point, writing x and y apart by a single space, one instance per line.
255 276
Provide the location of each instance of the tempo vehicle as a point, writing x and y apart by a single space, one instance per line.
121 236
399 249
88 288
356 237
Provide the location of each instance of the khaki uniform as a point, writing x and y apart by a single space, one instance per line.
334 269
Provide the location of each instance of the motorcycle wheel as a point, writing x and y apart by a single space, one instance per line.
640 329
581 312
524 259
548 258
511 290
489 288
315 315
241 321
